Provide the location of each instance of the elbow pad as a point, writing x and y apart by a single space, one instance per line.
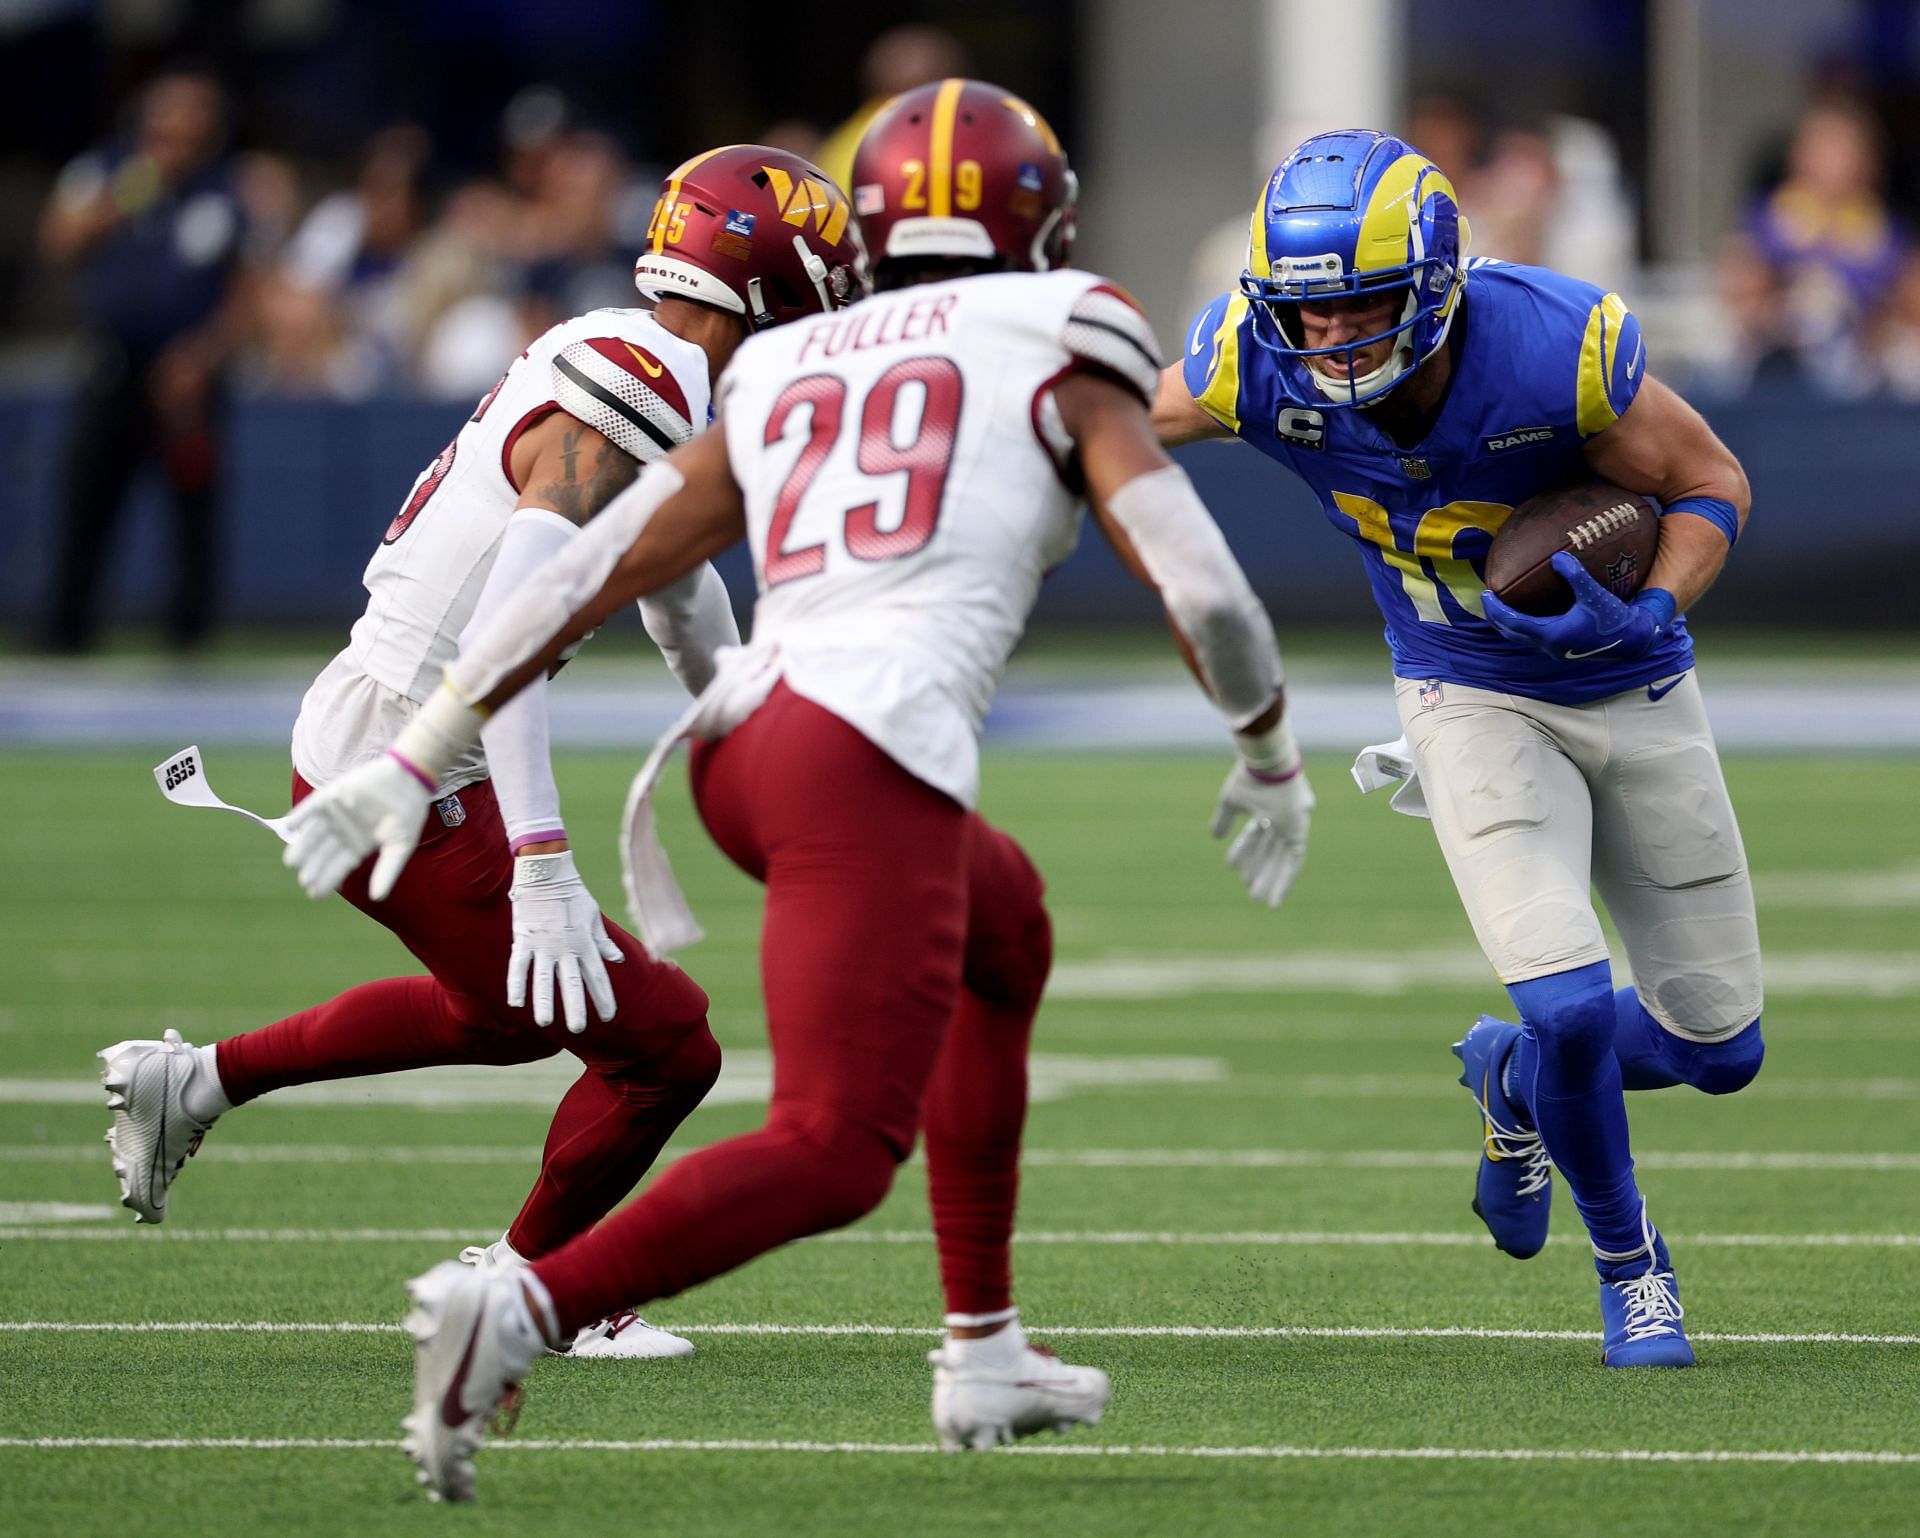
690 622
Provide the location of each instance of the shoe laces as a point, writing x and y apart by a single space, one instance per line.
473 1255
1653 1304
1504 1142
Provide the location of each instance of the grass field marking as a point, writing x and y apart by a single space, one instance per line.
1873 974
1898 887
1732 1160
1030 1450
1301 1239
1091 1331
54 1212
746 1078
471 1089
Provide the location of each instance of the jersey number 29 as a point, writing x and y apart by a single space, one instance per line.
924 458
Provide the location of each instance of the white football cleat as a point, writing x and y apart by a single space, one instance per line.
474 1337
152 1135
624 1335
627 1336
979 1403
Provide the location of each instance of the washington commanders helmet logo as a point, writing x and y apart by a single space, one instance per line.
812 199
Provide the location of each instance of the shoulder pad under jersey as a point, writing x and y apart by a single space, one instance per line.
622 390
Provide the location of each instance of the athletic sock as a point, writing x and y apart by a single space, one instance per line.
204 1097
719 1208
1640 1046
975 1109
1000 1349
382 1027
1574 1092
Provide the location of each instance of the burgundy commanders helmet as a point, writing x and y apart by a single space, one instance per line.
964 171
756 231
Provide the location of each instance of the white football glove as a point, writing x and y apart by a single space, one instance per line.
380 804
1272 846
557 930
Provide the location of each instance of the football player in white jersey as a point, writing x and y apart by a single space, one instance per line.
743 239
906 473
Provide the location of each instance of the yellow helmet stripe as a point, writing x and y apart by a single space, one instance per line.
946 107
1259 263
672 194
1034 120
1391 212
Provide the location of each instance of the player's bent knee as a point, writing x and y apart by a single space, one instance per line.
852 1164
1572 1013
1009 953
1724 1067
682 1074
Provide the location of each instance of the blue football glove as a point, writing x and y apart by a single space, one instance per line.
1598 624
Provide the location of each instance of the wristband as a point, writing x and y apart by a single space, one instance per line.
531 870
1271 755
1658 602
431 743
1721 514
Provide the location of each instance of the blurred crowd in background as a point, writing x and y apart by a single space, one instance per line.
379 258
204 201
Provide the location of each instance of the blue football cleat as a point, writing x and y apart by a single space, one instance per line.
1513 1192
1640 1312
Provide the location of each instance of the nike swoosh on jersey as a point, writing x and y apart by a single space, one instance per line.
1661 688
1639 348
654 370
1199 337
1576 656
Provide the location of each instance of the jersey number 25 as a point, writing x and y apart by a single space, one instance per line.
924 458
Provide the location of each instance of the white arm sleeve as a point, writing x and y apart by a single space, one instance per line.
539 611
690 621
1204 590
519 760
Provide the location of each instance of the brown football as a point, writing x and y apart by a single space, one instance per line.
1612 532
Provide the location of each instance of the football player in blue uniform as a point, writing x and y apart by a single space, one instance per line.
1422 397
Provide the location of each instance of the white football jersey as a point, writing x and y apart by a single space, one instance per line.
907 486
618 371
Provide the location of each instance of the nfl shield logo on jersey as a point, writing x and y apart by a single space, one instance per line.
1417 468
452 813
1430 694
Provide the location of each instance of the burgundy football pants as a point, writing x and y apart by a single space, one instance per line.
645 1069
903 956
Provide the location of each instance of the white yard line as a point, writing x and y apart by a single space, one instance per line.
1874 974
539 1086
1898 887
1031 1450
1732 1160
1301 1239
746 1078
1102 1331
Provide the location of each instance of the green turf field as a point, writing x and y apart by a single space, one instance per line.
1248 1125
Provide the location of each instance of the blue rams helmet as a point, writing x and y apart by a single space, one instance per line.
1349 213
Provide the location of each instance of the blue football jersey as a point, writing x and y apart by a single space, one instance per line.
1546 362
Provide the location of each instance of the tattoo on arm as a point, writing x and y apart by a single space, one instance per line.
578 495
